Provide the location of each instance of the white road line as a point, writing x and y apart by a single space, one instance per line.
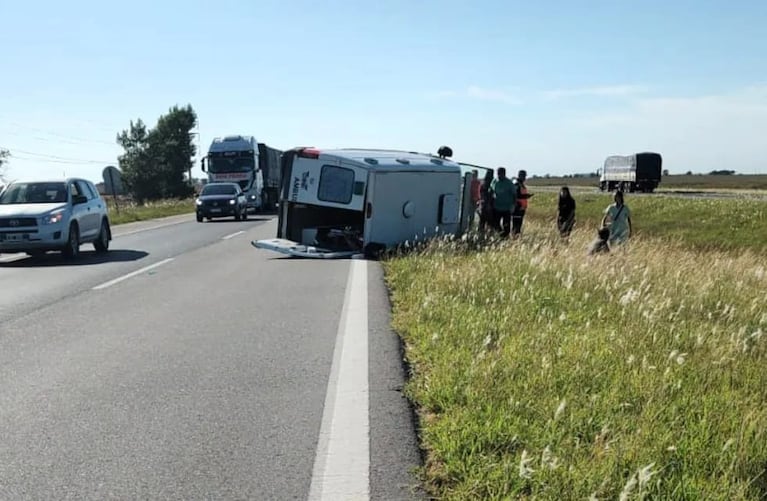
157 227
132 274
342 464
233 235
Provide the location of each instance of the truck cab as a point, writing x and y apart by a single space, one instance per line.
234 159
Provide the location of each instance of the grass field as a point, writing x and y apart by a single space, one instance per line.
701 224
128 211
541 373
672 182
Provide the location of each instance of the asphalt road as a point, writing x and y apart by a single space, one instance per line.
188 365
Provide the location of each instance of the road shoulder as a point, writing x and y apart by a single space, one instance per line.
394 451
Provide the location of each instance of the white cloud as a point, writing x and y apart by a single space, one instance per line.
481 94
718 131
491 95
599 91
498 95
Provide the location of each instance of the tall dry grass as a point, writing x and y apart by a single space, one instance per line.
540 372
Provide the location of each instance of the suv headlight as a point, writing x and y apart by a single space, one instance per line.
198 201
232 202
53 218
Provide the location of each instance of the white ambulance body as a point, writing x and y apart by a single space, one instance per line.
344 202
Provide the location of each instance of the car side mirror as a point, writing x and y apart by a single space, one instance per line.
79 199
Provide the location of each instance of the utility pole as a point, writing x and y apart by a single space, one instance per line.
199 145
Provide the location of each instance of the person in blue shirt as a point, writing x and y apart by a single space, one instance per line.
504 201
618 218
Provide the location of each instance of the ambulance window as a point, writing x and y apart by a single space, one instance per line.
336 184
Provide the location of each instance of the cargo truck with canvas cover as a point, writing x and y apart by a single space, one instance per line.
252 165
637 172
338 203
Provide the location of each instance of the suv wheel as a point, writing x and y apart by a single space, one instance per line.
72 249
101 244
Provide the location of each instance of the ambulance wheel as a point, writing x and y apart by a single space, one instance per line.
374 250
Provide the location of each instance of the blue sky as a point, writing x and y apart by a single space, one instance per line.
553 87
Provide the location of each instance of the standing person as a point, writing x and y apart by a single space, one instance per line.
619 217
565 212
521 206
476 186
504 199
486 209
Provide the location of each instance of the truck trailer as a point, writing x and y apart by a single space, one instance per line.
630 173
269 165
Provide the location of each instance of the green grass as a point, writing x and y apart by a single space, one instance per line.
541 373
672 182
128 212
700 223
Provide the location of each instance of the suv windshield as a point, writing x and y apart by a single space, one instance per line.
34 193
219 189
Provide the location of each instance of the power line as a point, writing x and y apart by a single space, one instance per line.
54 157
41 139
93 124
56 134
53 161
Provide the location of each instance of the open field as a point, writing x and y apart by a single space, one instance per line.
700 224
541 373
704 181
128 211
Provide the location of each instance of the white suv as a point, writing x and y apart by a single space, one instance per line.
57 215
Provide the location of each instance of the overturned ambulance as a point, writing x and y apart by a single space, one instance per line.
346 202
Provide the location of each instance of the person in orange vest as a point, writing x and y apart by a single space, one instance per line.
523 195
476 184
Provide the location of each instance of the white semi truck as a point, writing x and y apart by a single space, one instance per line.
253 165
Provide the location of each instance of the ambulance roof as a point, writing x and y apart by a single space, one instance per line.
393 160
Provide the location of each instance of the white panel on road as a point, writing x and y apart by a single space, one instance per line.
13 257
342 464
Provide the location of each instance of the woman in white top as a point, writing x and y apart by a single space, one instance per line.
619 217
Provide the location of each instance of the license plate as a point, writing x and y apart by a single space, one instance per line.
14 237
215 210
